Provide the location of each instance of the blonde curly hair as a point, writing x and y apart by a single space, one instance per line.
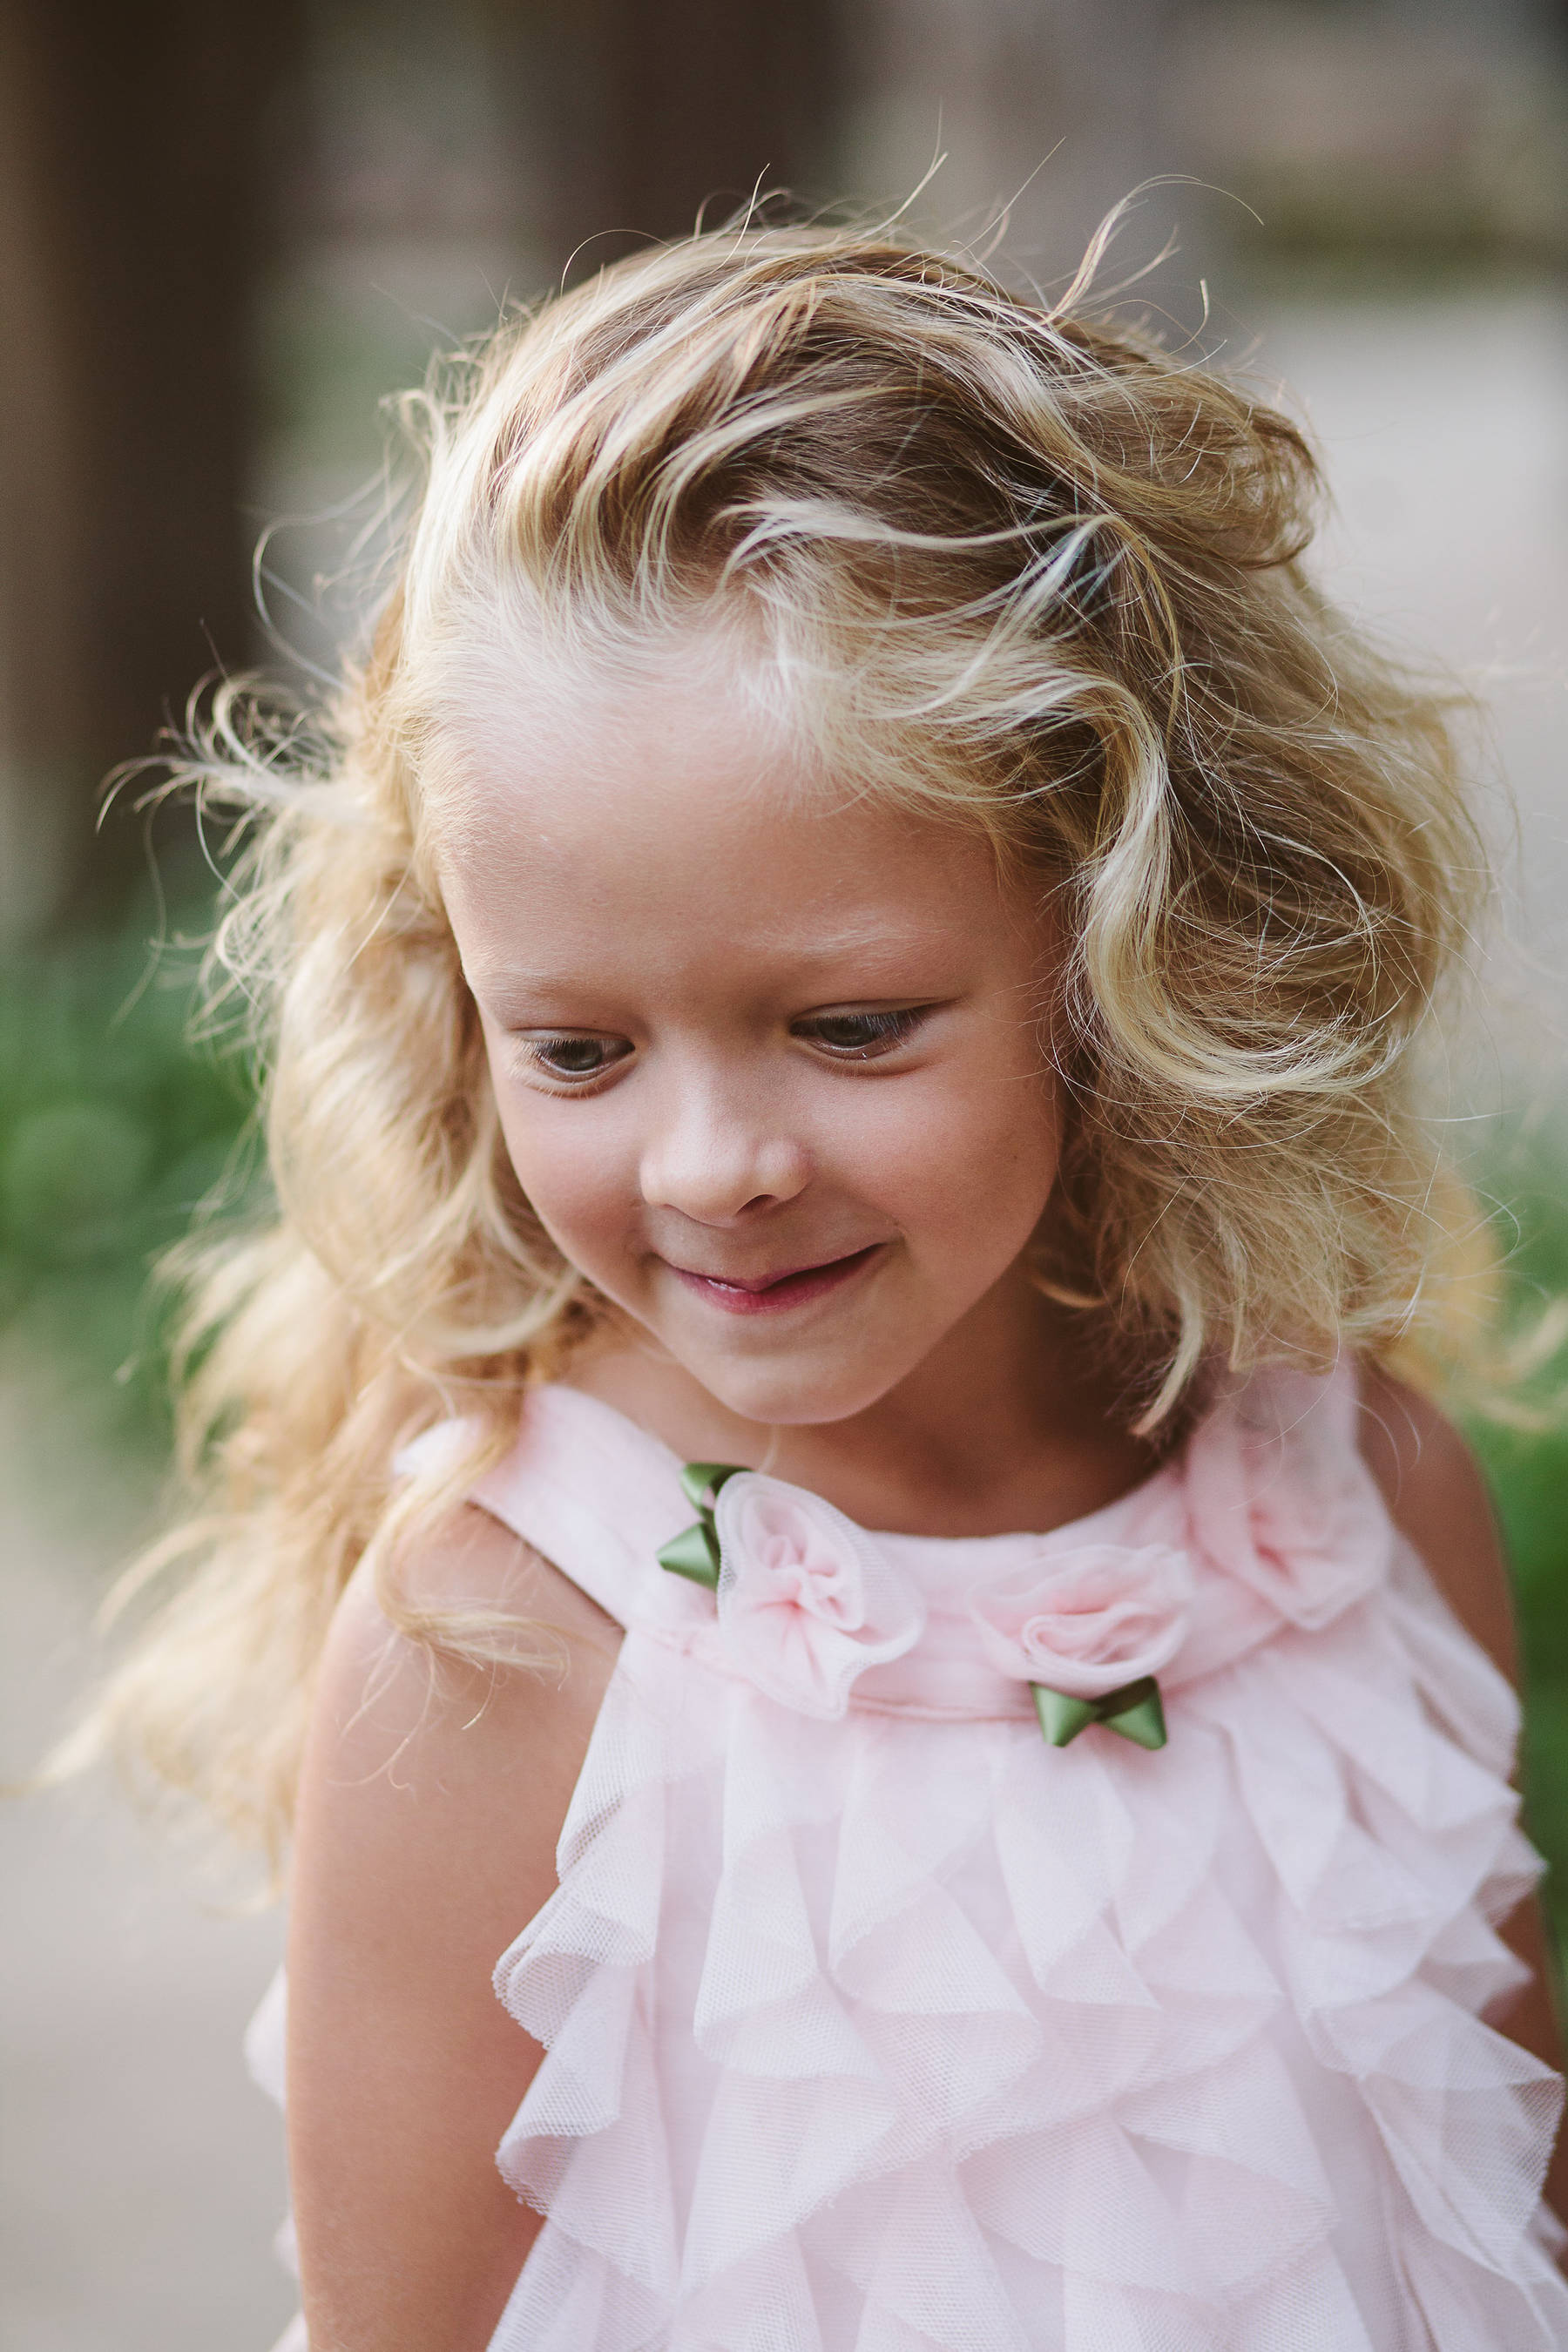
1011 562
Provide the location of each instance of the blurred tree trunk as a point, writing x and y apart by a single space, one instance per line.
641 114
133 204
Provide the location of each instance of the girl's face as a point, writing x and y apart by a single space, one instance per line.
768 1060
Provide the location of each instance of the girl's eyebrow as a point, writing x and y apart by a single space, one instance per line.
873 941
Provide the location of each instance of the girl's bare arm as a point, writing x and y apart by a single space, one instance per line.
432 1799
1438 1498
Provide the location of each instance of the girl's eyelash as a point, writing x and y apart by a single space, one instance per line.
570 1060
862 1036
575 1061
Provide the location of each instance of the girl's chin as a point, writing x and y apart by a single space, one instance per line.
792 1389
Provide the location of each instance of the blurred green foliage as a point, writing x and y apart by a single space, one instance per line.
114 1131
1528 1472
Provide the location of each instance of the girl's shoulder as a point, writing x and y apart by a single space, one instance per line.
432 1797
1437 1498
391 1687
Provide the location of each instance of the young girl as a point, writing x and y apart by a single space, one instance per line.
806 1483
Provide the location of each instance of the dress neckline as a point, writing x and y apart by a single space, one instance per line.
1164 1478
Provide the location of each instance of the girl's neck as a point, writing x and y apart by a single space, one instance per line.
1012 1422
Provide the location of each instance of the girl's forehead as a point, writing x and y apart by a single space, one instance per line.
732 910
575 817
519 701
691 741
680 820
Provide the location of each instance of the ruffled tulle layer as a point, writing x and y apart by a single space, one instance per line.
981 2044
896 2030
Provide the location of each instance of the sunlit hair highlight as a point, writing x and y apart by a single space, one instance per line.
1010 565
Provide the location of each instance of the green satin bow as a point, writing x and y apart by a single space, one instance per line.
695 1552
1134 1711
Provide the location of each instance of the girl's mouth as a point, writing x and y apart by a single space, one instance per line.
771 1293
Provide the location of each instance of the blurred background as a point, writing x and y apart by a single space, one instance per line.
228 231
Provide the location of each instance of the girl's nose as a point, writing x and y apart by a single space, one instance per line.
713 1164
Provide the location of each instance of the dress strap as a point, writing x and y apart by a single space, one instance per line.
1277 1520
592 1492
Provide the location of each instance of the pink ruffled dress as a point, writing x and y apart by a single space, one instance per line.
874 2022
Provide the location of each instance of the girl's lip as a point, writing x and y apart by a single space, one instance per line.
770 1294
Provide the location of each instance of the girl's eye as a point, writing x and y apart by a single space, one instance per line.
575 1060
861 1037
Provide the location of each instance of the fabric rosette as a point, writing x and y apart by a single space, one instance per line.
1287 1504
1088 1626
806 1601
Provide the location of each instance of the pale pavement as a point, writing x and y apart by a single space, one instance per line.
141 2172
1445 422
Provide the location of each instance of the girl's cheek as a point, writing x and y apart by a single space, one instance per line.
979 1145
569 1179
